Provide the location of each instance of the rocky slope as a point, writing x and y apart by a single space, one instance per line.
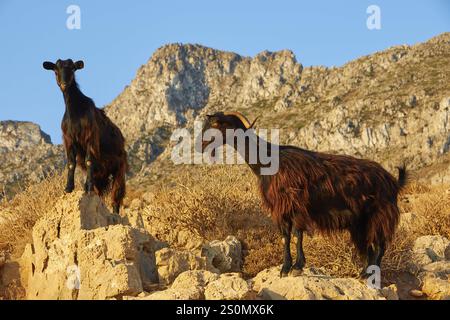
76 252
181 81
26 155
392 106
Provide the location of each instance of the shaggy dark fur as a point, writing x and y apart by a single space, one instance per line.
90 138
325 192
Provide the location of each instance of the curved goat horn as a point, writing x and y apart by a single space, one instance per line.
241 117
254 121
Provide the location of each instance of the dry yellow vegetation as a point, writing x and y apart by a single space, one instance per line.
216 201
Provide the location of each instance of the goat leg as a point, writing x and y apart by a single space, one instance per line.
71 164
89 185
287 262
373 259
300 261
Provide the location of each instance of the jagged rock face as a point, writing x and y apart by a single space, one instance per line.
392 106
26 155
76 253
431 263
15 135
179 81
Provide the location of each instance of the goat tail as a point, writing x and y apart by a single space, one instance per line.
402 176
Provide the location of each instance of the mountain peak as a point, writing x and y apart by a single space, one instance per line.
16 135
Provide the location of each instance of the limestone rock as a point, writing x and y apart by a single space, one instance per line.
436 288
194 278
390 292
430 264
189 285
181 80
311 285
427 249
226 256
171 263
133 218
17 135
230 286
25 142
193 293
77 254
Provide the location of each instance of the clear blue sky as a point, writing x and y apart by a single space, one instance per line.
116 37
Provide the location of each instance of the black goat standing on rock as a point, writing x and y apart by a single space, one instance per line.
319 191
91 139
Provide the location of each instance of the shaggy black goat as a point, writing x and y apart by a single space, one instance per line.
318 191
90 137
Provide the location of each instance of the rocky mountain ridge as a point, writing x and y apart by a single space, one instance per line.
392 106
26 155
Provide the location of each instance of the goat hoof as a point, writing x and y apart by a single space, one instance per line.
285 272
296 272
68 189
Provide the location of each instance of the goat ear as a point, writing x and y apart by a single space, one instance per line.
79 65
49 65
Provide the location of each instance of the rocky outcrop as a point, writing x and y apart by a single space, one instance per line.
216 256
171 262
436 288
189 285
78 253
201 285
229 286
311 285
16 135
267 285
432 264
179 81
426 251
26 155
79 250
226 256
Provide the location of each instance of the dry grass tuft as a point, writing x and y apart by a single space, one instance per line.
210 202
19 215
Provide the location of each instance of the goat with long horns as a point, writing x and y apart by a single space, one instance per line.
324 192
